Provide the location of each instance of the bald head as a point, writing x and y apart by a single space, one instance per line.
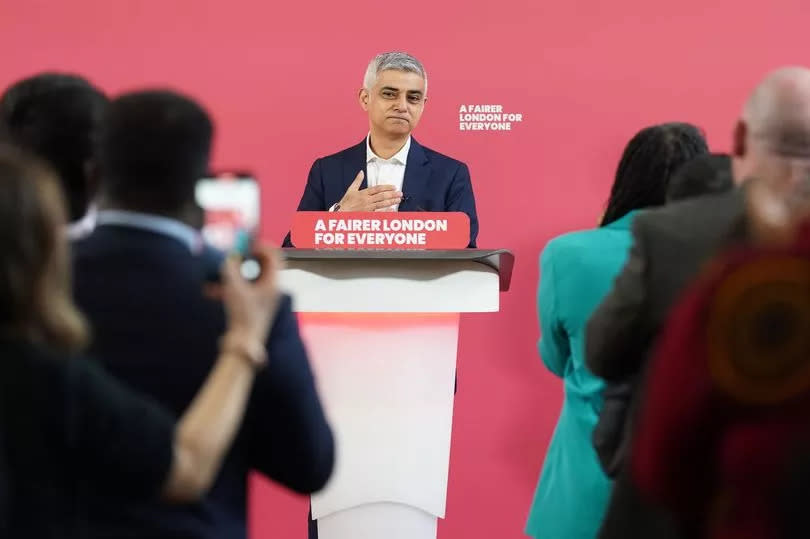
772 150
777 114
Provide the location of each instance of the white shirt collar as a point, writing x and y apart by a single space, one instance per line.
84 226
164 226
400 157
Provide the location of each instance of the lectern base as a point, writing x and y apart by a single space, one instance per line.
386 381
378 521
381 329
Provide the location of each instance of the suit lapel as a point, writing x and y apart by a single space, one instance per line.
354 161
417 175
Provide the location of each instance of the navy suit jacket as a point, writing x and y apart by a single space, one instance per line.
433 182
154 329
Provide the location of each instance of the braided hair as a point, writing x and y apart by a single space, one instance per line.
647 164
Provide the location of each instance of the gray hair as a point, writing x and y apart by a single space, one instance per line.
401 61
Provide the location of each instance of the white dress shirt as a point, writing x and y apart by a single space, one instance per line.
381 171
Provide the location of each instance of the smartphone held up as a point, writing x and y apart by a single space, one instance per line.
230 204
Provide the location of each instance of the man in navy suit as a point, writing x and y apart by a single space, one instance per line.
140 279
389 170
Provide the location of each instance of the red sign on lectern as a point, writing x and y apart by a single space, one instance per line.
380 230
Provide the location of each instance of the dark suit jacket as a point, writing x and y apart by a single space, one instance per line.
671 245
155 330
433 182
6 481
68 425
792 496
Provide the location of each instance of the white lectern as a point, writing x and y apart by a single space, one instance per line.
381 328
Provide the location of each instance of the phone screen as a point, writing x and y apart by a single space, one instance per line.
231 207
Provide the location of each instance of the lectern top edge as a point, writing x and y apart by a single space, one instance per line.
501 260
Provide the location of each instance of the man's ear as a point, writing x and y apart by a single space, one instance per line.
739 145
363 97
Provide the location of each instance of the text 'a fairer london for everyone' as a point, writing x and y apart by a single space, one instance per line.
380 225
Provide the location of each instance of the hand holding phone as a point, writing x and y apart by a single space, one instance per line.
230 205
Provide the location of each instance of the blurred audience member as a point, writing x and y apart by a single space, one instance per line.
67 426
792 496
577 270
55 116
139 277
705 175
670 246
718 455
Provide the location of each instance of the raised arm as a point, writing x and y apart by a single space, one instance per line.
126 443
290 439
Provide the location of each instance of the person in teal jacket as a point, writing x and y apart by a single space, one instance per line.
576 271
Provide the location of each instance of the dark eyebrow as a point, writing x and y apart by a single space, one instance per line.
391 88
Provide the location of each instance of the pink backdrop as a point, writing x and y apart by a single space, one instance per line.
280 79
